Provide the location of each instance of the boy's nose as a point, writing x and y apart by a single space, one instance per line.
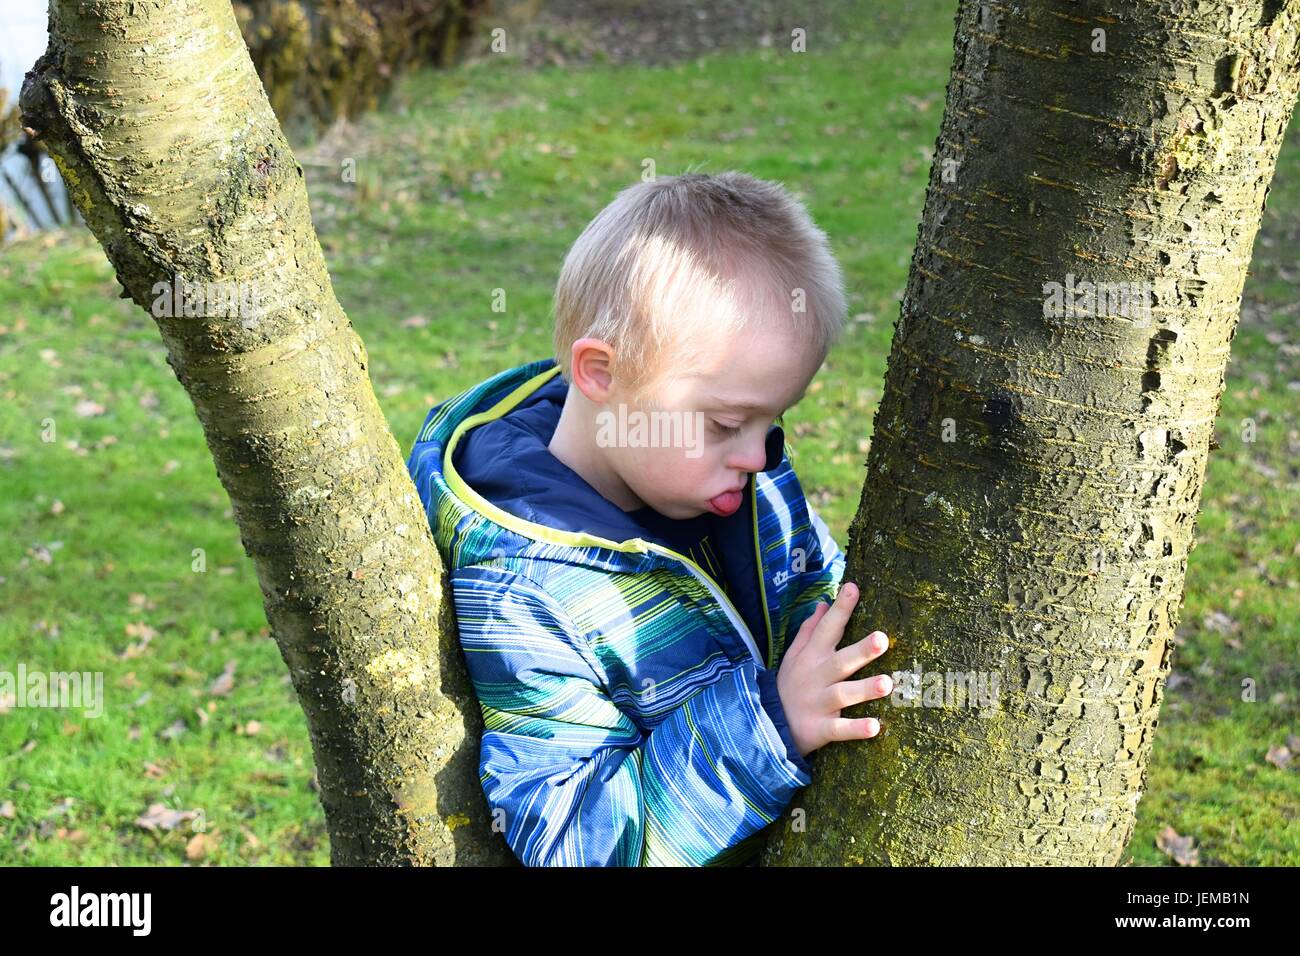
753 458
763 457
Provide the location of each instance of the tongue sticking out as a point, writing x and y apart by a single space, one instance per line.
726 503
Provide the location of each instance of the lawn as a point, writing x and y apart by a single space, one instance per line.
118 553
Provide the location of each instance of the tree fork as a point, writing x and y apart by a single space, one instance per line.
163 133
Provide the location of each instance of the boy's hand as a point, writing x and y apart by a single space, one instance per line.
811 681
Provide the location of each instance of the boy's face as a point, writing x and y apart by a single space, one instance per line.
717 442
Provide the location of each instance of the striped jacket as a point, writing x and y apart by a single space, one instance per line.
631 716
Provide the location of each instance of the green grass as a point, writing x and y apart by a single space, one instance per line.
478 180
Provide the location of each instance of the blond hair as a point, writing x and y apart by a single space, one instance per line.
671 262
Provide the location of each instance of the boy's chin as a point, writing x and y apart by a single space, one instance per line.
681 512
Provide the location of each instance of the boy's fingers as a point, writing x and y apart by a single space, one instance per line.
851 692
807 627
831 627
859 654
853 728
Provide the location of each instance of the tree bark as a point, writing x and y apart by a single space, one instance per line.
172 154
1034 479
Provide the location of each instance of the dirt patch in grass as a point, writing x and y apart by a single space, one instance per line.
560 32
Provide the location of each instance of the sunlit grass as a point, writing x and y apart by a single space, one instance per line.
475 181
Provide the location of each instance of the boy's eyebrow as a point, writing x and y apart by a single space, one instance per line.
752 406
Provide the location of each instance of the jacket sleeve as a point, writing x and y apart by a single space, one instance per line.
821 577
572 779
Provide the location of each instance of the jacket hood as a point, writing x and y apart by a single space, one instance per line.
492 488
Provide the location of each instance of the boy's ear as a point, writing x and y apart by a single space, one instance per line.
590 368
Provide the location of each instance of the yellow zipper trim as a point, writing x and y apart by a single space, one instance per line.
758 566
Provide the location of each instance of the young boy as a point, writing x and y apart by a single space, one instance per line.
626 596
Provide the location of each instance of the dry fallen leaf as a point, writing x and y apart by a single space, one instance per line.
160 817
1220 623
199 846
1181 849
1279 757
224 683
145 633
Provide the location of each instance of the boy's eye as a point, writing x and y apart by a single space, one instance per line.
725 429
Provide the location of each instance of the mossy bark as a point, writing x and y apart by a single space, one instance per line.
1033 480
163 133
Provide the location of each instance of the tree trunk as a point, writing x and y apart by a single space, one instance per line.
170 150
1034 477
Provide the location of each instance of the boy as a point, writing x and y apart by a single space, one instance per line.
624 603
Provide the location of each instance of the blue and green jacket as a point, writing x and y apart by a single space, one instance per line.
625 663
